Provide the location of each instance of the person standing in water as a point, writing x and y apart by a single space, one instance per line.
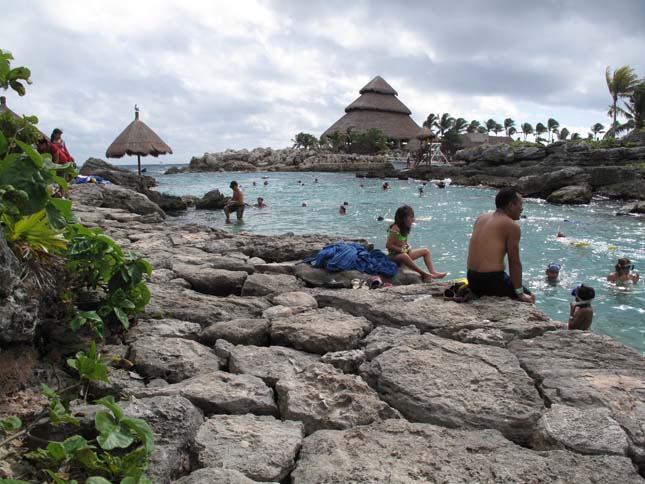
496 236
622 274
236 201
400 250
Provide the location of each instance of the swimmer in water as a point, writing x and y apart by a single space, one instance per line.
623 268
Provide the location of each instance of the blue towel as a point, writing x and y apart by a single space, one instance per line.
341 256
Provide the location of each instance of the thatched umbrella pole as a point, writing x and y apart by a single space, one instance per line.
137 139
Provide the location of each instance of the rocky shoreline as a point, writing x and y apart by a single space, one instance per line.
250 368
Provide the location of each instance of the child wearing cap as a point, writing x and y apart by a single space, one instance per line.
580 311
552 272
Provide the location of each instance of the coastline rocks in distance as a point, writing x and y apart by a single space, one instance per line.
288 159
117 175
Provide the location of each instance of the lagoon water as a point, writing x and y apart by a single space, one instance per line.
596 238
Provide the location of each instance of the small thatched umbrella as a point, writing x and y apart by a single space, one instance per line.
137 139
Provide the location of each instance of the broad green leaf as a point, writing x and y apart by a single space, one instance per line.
115 439
97 480
104 422
122 317
48 391
75 443
108 401
4 144
135 463
31 152
10 424
57 451
143 431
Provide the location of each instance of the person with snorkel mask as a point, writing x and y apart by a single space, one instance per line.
580 311
622 274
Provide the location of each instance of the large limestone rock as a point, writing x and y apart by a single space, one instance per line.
18 311
320 331
115 196
173 359
544 185
166 328
220 392
261 448
218 282
401 452
116 175
457 385
383 338
584 431
172 301
213 200
483 321
238 331
571 195
174 422
210 475
324 398
269 363
585 370
265 284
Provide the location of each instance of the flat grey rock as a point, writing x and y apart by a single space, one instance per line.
171 301
401 452
173 359
585 370
322 397
345 361
260 447
238 331
585 431
167 328
320 331
383 338
297 300
457 385
484 321
212 475
218 282
265 284
269 363
221 392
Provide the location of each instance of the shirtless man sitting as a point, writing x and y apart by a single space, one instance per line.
235 202
496 235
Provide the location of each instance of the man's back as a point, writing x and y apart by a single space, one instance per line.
488 243
238 196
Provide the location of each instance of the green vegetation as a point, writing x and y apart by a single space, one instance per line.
42 232
305 140
370 142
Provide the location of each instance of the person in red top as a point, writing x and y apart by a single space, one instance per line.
59 144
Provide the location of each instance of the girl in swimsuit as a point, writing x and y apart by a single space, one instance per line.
400 250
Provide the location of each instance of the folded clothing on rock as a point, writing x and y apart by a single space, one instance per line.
91 179
341 256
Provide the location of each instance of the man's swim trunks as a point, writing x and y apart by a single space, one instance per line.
232 207
492 284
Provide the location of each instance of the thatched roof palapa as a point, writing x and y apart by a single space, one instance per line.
137 139
377 107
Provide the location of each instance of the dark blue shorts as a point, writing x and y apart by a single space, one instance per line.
492 284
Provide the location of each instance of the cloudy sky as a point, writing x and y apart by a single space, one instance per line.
212 75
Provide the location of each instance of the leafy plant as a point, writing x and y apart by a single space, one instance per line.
115 432
97 262
89 365
10 424
33 233
13 78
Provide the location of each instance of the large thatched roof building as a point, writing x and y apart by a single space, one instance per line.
378 107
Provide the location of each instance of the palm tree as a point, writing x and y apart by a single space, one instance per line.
539 130
596 129
473 126
511 131
620 84
490 125
553 126
460 125
576 137
508 124
482 130
497 128
431 121
526 129
564 132
445 123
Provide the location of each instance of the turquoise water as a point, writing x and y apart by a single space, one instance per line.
444 219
